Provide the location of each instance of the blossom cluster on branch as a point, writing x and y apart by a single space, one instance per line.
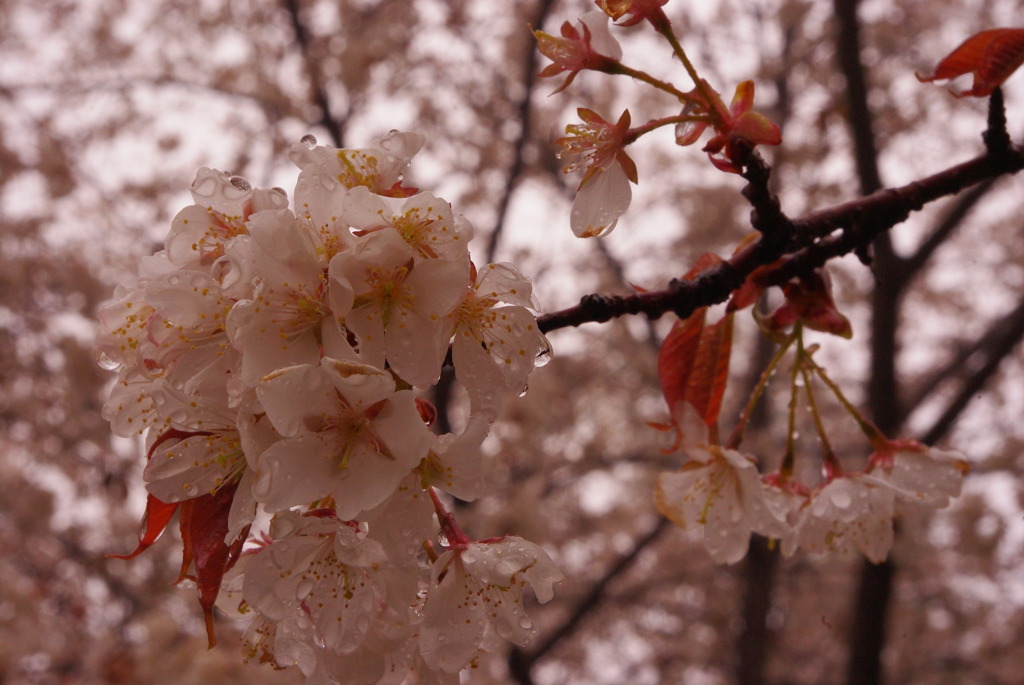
273 360
719 489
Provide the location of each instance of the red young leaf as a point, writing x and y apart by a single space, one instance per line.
693 365
158 515
809 299
204 526
991 56
711 370
677 356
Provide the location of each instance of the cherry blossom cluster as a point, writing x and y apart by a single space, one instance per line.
275 361
721 491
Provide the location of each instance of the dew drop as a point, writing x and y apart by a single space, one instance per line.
363 624
304 587
224 272
282 556
525 623
309 140
240 183
543 354
106 362
264 485
522 393
190 489
326 182
842 499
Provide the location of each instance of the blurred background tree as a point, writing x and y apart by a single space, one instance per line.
108 107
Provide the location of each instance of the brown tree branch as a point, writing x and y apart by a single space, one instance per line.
859 221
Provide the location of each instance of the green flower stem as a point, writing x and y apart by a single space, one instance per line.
830 461
789 458
874 435
698 82
653 124
620 68
736 437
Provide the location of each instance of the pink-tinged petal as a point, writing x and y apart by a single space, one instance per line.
243 506
679 496
601 38
742 99
849 512
221 192
403 521
415 348
361 385
197 465
296 471
130 409
923 475
454 620
478 373
758 129
295 397
274 575
284 248
274 330
600 202
455 464
191 299
504 283
367 480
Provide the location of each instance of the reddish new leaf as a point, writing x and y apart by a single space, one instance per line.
711 370
677 356
154 521
693 365
991 56
204 527
809 300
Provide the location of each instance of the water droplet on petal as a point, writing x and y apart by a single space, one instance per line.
326 182
543 354
842 499
363 624
283 556
224 272
304 587
106 362
309 140
240 183
522 392
525 623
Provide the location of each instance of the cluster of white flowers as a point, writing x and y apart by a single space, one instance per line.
280 353
720 492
